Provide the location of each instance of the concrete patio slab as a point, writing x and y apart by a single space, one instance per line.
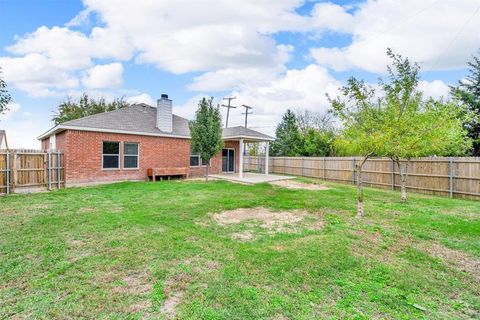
250 178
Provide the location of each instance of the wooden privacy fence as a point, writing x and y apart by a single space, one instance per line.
30 170
447 176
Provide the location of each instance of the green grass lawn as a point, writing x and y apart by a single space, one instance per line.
155 250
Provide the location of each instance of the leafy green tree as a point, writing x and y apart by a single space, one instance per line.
5 97
86 106
362 133
287 136
413 127
317 143
206 132
468 91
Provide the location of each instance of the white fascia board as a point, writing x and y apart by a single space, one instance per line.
63 127
247 138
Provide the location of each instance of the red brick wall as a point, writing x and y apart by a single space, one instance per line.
83 156
59 141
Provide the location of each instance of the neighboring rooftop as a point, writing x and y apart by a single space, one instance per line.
142 119
3 139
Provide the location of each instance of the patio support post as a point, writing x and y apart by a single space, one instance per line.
266 158
240 167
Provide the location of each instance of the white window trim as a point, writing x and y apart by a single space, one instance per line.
131 155
199 161
117 155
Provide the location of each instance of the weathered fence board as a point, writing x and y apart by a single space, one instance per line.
30 170
459 177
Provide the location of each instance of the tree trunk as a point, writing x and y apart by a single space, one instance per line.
207 170
404 177
360 212
359 168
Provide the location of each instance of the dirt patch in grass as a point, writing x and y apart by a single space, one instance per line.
191 270
460 260
169 307
297 185
141 306
271 221
135 283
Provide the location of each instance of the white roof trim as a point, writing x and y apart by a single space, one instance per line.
63 127
247 138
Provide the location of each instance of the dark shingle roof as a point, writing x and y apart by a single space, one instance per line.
142 119
242 132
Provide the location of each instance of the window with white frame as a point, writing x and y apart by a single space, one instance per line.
111 155
130 155
195 159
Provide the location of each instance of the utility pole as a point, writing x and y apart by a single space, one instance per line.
228 108
246 113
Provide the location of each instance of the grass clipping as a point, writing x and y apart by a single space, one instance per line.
256 220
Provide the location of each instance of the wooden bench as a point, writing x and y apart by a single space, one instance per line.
152 173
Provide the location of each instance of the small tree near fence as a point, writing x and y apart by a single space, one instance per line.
414 127
362 118
206 132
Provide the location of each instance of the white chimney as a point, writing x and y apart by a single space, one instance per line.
164 113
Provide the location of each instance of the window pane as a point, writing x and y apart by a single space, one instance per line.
110 162
130 162
131 148
111 147
204 162
194 161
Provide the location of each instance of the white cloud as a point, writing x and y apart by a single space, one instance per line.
12 109
240 77
142 98
296 89
21 132
435 89
36 74
48 61
438 34
327 15
103 76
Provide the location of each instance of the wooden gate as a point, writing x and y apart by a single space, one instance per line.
31 170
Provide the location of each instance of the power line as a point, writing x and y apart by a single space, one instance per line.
246 113
228 108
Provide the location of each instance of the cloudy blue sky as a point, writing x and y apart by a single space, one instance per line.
272 55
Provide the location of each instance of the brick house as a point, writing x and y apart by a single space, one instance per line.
127 143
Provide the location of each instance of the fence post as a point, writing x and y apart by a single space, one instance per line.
8 172
324 175
13 173
451 177
58 169
392 166
49 169
302 167
353 170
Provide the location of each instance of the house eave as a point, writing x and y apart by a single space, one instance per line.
249 138
60 128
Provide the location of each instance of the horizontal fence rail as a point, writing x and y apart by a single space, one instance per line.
24 170
445 176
